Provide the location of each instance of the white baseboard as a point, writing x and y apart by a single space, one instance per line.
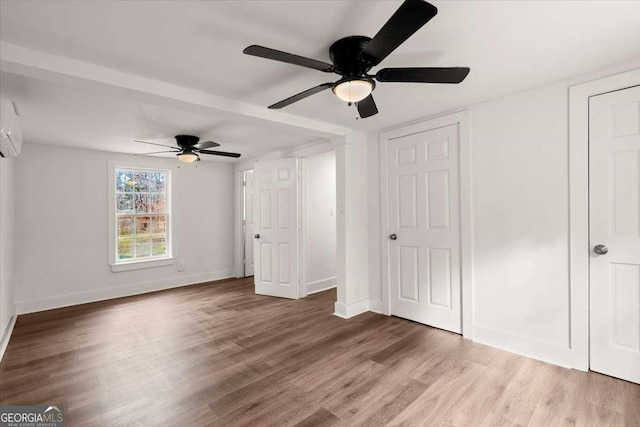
347 311
41 304
535 349
321 285
6 334
375 306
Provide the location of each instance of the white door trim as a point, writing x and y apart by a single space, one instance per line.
579 208
238 256
462 119
300 152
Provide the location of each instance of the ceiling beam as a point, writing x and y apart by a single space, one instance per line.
45 66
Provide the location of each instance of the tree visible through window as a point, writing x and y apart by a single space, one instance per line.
142 214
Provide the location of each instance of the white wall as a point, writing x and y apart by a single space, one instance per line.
520 222
520 170
353 226
7 243
319 221
61 223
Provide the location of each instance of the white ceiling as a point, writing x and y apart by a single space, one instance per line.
56 114
510 46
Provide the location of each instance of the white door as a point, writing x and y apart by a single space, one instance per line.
248 224
614 211
276 228
424 228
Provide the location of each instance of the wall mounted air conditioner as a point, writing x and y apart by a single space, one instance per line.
10 131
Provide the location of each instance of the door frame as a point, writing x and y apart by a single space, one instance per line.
579 248
466 247
239 226
243 207
301 152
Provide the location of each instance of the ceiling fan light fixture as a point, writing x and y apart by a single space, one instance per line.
353 90
188 157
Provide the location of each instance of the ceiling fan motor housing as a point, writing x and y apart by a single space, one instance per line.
345 55
186 141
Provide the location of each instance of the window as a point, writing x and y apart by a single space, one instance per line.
141 217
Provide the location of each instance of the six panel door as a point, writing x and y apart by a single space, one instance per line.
614 212
276 228
424 224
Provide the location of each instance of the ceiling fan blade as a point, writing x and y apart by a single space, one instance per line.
367 107
408 19
158 152
206 144
300 96
218 153
423 75
155 143
289 58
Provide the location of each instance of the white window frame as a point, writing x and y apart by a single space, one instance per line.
170 258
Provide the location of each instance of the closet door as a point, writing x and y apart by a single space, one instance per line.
424 228
614 233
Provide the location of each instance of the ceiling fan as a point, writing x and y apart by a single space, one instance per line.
189 147
352 57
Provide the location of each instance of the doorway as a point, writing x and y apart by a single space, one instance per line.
318 222
247 223
294 228
614 233
426 235
582 239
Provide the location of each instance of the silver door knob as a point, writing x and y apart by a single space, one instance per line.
393 236
256 236
600 249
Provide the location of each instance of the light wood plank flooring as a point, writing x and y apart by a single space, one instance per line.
216 354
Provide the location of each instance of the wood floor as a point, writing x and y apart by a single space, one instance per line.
218 355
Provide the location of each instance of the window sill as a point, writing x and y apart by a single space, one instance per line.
137 265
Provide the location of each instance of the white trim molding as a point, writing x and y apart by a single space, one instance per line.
238 257
50 303
536 349
347 311
321 285
6 334
466 244
139 264
579 207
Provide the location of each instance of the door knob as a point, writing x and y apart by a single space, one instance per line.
393 236
256 236
600 249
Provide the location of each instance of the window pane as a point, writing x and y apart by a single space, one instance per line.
158 225
124 180
157 202
142 203
143 247
142 181
125 226
125 248
141 192
158 182
158 247
124 203
143 225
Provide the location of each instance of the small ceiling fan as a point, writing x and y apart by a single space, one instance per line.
189 147
354 56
